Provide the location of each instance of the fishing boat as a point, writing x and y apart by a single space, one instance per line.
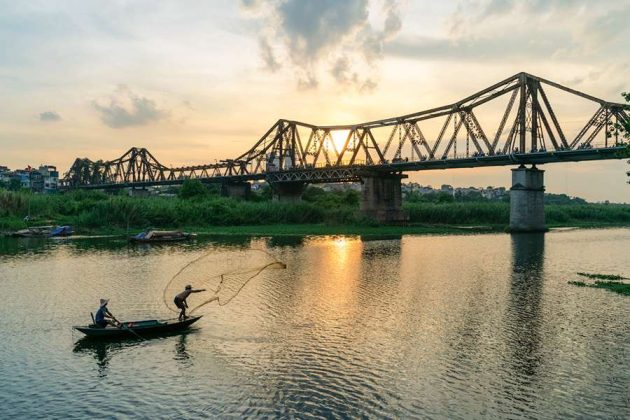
162 236
138 329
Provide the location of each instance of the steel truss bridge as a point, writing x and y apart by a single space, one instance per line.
529 132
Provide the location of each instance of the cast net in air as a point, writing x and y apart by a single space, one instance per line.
224 274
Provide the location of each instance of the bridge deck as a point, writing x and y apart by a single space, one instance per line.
353 173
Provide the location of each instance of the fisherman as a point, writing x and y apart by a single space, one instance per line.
180 300
104 318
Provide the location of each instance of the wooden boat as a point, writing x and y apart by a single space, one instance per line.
138 329
33 231
43 231
162 236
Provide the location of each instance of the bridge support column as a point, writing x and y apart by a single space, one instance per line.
527 208
381 197
287 191
239 190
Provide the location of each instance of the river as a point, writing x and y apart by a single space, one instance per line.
455 327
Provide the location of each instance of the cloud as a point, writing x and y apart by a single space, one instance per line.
250 4
49 116
126 109
310 37
566 30
342 72
580 19
267 54
486 10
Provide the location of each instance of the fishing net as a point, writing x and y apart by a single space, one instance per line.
224 274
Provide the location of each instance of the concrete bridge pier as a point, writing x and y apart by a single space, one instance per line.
527 208
381 197
287 191
239 190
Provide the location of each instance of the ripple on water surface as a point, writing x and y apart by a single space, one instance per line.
430 327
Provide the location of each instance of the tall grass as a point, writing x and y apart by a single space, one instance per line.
100 210
494 213
93 210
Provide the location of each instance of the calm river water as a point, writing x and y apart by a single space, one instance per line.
420 326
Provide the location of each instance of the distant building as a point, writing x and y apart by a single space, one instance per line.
50 177
489 193
492 193
467 191
36 181
44 179
5 175
24 176
341 186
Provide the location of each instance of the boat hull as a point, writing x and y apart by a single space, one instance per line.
135 329
43 232
33 232
162 236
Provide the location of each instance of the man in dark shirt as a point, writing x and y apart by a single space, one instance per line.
180 300
103 317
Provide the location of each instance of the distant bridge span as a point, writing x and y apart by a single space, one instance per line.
529 132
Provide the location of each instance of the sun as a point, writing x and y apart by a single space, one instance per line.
338 138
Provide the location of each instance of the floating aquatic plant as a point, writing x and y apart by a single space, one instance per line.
613 277
612 285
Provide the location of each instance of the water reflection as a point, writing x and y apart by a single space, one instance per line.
523 313
240 241
103 351
282 241
17 246
181 353
79 245
422 327
369 238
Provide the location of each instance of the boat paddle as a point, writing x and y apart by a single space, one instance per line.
122 325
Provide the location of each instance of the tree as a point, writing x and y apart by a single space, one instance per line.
626 124
15 184
624 128
192 188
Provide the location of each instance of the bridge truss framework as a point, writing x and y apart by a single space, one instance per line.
292 151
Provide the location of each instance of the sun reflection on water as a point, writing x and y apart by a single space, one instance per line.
338 284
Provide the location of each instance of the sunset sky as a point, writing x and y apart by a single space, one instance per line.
195 81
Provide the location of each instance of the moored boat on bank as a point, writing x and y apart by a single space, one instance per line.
33 231
61 231
43 231
162 236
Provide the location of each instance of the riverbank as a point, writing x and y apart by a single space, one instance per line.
319 214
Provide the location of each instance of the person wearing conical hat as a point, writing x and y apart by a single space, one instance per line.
103 317
180 300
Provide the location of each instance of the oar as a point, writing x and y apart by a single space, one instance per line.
122 325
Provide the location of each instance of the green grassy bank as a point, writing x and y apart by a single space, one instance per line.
320 213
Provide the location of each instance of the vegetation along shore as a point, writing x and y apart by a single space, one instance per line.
198 207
